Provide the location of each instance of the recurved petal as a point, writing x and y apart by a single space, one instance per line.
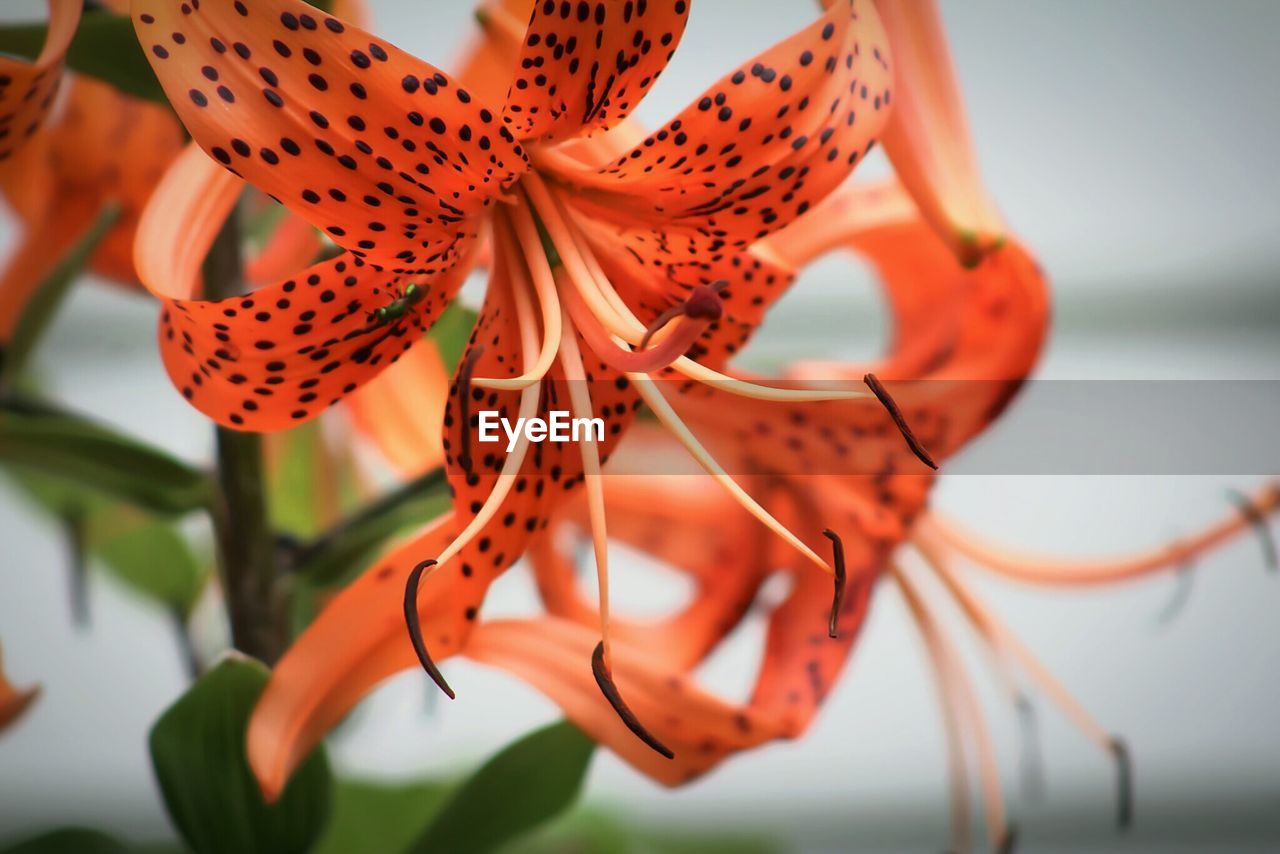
358 640
927 138
41 246
27 89
585 65
287 351
761 146
387 154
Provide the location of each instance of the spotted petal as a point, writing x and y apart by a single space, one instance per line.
27 89
585 65
761 146
285 352
387 154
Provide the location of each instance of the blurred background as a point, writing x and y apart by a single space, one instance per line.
1131 146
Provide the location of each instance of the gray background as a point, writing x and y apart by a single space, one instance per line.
1131 144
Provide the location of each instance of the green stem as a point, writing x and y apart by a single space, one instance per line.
245 543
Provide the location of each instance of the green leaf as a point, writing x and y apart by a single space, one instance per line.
104 47
198 753
451 333
528 782
382 817
49 295
68 840
294 482
94 456
149 556
338 553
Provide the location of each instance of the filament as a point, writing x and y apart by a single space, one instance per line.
533 271
1001 636
609 309
956 765
1045 571
651 395
580 400
1000 833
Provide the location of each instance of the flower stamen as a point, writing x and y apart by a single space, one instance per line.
890 405
414 624
1254 516
649 392
996 633
531 272
604 678
837 548
464 406
612 312
601 662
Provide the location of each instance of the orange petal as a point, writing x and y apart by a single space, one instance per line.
13 701
105 148
685 521
293 245
358 640
178 226
383 152
584 66
554 656
27 89
761 146
288 350
487 64
41 247
402 410
928 139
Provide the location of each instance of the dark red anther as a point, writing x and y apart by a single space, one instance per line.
1255 517
837 548
896 414
610 690
414 625
1124 781
465 373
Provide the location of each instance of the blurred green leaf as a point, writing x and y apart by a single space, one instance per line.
451 333
529 782
198 753
69 840
95 456
148 555
44 304
294 482
338 553
104 47
382 817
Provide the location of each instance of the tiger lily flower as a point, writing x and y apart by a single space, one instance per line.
14 702
877 521
402 167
